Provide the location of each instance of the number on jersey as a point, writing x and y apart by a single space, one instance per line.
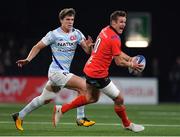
98 41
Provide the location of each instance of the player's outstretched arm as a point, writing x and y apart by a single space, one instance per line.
34 51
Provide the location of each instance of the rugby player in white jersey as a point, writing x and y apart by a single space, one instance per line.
63 42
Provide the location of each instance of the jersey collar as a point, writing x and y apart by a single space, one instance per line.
114 30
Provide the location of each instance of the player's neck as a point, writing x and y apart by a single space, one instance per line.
113 28
65 30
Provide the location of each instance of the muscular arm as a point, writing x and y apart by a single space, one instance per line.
125 56
122 60
34 51
126 61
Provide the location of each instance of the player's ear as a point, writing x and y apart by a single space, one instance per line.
113 22
60 20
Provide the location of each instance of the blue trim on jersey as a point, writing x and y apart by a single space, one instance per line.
57 62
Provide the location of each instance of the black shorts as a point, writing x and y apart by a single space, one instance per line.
98 82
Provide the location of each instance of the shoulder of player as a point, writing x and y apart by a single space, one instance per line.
76 31
53 33
107 33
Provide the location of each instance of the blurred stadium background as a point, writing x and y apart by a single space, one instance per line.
25 22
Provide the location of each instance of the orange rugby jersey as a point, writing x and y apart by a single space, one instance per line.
108 44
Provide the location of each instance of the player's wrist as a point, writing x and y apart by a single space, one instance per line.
27 60
130 64
129 59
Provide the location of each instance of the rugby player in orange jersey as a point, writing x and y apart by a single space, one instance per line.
107 48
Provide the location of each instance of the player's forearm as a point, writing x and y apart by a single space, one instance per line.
88 50
34 51
120 61
124 63
125 56
86 47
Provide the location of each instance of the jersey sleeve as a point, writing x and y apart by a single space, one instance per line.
80 37
48 39
116 47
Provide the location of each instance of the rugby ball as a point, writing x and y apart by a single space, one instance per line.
140 59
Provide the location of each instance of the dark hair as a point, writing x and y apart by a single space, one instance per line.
114 16
66 12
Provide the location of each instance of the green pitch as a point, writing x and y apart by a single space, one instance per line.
159 120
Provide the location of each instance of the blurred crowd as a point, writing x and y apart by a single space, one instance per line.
12 48
174 79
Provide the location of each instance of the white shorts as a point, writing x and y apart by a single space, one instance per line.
111 90
58 78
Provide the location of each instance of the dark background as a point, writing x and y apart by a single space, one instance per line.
25 22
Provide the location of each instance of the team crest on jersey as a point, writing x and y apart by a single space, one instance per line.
72 37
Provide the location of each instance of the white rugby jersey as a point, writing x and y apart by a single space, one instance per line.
63 46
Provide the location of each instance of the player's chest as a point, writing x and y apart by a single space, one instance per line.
69 41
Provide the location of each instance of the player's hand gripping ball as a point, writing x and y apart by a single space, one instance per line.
140 59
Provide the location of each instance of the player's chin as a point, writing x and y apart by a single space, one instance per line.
120 31
70 27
